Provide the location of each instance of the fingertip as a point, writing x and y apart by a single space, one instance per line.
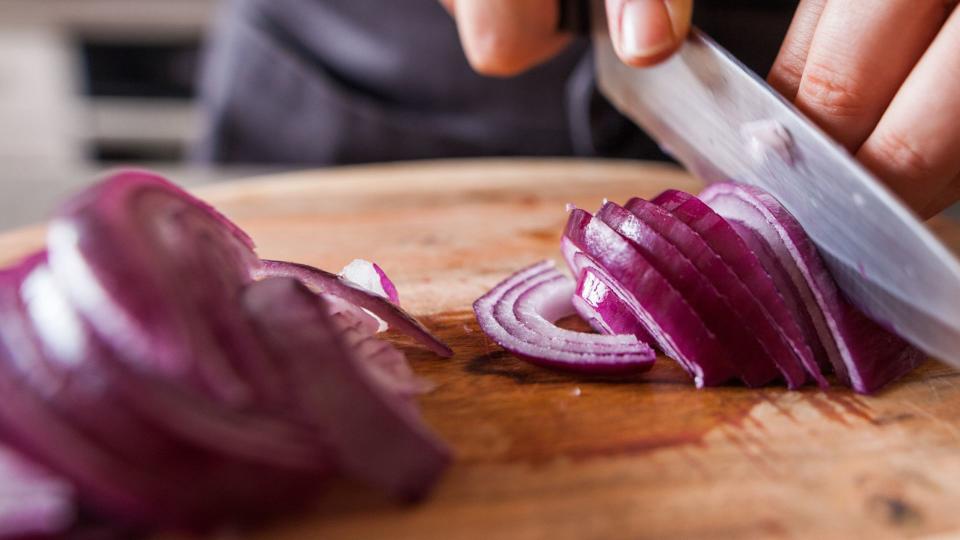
649 31
648 61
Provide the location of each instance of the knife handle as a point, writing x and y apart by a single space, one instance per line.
574 16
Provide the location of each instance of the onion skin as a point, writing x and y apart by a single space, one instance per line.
867 357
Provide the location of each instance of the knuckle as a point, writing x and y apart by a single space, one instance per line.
787 73
902 155
831 91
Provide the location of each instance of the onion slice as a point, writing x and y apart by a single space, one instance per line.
862 353
519 314
161 386
750 312
371 277
324 282
699 290
599 302
129 418
677 328
791 320
137 299
33 502
375 433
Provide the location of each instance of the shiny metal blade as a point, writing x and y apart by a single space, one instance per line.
724 123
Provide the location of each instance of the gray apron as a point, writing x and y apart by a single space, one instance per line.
324 82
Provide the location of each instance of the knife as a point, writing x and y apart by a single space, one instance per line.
706 109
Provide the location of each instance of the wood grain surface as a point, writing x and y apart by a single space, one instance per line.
542 454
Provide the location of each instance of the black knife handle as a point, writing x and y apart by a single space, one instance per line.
574 16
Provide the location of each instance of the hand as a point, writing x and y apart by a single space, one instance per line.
506 37
883 78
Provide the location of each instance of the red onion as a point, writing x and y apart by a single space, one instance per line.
394 450
372 278
519 313
33 503
753 363
731 289
599 302
861 352
750 314
793 322
324 282
678 329
143 367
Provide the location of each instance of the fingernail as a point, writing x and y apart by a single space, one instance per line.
645 29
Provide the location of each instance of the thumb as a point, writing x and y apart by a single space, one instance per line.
646 32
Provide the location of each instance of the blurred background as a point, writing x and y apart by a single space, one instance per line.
90 84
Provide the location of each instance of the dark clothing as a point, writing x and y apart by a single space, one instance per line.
348 81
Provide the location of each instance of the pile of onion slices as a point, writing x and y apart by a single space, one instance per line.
155 373
727 284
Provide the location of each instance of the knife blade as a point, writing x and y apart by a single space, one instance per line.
706 109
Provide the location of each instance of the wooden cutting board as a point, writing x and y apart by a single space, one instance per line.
543 454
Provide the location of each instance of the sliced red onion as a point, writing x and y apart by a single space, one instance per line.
789 291
326 283
519 314
69 345
33 502
101 478
133 418
372 278
136 297
666 316
752 361
369 276
597 301
386 364
129 368
375 434
860 350
545 299
361 319
750 312
792 321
